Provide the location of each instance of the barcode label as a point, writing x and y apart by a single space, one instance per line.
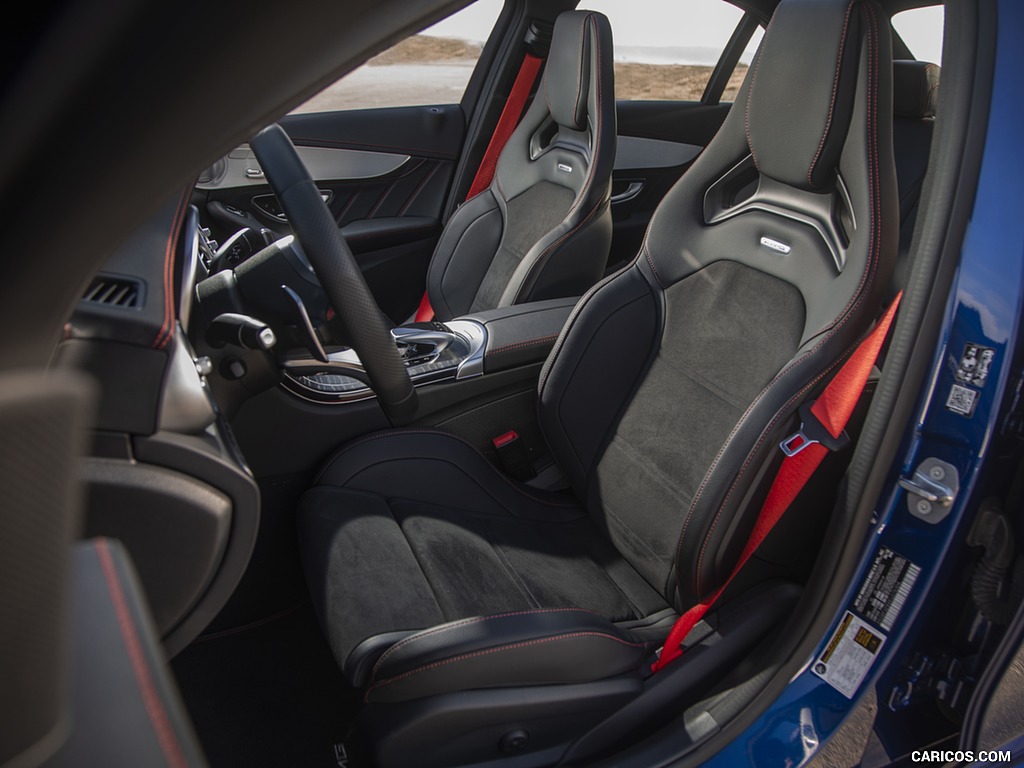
901 596
962 400
886 588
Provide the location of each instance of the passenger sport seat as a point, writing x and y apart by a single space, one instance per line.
543 228
472 609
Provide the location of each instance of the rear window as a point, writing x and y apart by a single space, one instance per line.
921 30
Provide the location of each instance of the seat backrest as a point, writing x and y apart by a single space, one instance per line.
668 391
915 93
543 228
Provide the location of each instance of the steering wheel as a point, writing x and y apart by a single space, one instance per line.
362 321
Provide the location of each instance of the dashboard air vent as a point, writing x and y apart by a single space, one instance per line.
114 292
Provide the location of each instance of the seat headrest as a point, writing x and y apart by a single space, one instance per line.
567 76
798 111
915 88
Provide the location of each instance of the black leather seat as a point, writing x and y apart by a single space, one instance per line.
462 601
915 97
543 228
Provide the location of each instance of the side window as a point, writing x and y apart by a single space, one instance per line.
921 30
668 49
736 79
432 67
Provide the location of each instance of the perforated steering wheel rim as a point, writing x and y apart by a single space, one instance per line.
364 325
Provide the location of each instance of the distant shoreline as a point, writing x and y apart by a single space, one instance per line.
388 79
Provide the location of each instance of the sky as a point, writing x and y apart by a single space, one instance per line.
683 23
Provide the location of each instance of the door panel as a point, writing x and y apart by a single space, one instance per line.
393 253
657 141
384 174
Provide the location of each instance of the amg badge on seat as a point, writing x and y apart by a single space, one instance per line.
775 245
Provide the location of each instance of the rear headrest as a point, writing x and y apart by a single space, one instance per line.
798 111
567 76
915 88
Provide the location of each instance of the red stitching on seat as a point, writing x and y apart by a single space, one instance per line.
490 651
750 91
650 261
835 90
867 278
165 735
579 67
464 623
545 255
598 119
520 344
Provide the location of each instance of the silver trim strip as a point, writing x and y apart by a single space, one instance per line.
240 169
462 357
634 153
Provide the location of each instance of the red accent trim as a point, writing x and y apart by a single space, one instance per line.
522 344
498 649
167 329
507 122
140 667
833 409
510 115
465 622
835 91
502 440
855 300
425 312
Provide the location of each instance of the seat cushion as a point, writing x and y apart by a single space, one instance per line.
408 529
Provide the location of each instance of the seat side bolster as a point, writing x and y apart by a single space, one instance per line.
360 662
456 271
537 647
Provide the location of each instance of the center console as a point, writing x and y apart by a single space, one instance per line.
464 348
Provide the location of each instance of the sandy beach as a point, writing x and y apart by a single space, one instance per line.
435 70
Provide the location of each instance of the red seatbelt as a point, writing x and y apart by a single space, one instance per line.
507 122
833 410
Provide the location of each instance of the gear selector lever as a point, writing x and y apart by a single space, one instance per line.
422 342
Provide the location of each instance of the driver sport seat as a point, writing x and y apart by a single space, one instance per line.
543 228
467 605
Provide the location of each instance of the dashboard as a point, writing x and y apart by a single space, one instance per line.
163 473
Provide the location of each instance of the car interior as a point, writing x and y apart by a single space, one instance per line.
407 448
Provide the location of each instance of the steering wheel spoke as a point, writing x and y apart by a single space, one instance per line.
364 325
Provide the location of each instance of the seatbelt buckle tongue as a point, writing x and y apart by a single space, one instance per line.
812 431
513 456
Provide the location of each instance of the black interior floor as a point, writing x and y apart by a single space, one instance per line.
268 695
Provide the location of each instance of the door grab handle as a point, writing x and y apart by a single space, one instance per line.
628 193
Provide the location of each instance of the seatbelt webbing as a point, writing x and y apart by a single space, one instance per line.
833 409
507 122
510 115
